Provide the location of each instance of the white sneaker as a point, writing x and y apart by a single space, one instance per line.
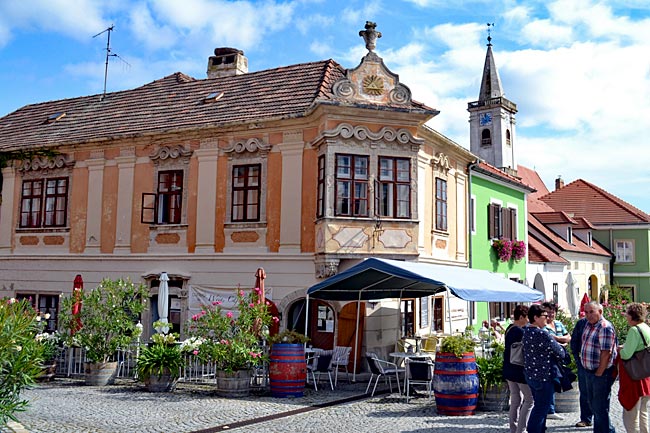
554 416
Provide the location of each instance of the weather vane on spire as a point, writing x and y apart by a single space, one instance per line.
489 38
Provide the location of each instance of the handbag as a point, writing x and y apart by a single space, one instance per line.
638 366
516 352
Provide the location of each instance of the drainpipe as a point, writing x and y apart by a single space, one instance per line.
470 167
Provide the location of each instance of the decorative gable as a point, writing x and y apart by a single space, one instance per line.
371 81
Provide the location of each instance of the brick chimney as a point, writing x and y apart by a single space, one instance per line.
227 62
559 183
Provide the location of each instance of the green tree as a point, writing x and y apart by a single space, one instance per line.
20 355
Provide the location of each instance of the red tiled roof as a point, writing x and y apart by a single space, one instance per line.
554 217
583 199
531 177
490 170
539 253
547 236
176 103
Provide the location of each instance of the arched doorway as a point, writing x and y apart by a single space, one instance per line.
592 287
321 322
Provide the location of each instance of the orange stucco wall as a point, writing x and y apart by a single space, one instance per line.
273 199
78 209
192 194
309 185
142 182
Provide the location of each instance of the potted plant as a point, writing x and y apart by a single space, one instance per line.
287 365
455 381
49 344
231 340
493 389
159 364
106 322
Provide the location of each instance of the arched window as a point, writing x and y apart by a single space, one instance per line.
486 138
508 137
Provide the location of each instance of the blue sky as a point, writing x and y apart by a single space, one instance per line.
579 70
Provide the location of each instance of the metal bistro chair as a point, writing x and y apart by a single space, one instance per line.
419 371
340 359
320 362
379 367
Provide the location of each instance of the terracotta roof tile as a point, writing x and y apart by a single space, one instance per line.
174 103
539 253
554 217
547 236
583 199
531 177
490 170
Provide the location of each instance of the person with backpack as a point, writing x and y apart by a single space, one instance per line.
521 399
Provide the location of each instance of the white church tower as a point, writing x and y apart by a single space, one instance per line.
492 120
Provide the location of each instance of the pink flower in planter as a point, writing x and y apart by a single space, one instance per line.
229 314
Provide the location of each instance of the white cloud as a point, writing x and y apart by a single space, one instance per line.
78 19
307 24
356 15
544 32
321 48
148 31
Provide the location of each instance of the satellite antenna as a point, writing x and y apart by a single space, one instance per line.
109 53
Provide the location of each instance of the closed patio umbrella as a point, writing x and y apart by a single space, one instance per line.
77 288
585 300
163 303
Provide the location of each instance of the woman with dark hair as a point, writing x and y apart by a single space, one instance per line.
541 354
636 396
521 399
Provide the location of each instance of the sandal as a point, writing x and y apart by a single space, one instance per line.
583 424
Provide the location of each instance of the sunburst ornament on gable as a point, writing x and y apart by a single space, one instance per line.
373 85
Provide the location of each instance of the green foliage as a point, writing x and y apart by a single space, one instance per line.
108 317
490 369
229 339
617 295
163 353
20 355
289 336
615 313
457 344
49 345
569 323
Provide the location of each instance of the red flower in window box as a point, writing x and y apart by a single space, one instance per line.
503 248
518 250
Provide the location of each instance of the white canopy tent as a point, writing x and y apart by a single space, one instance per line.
382 278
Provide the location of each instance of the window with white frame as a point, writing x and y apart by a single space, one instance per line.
351 185
394 187
441 204
166 205
246 193
320 194
502 222
44 202
624 250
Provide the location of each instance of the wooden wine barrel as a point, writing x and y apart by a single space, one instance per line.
287 370
455 384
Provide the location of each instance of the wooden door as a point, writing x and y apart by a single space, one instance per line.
347 330
439 313
321 324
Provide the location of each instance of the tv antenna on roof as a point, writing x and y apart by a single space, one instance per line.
109 53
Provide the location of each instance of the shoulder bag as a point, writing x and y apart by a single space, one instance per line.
638 366
517 353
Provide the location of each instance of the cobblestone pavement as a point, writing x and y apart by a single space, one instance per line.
68 406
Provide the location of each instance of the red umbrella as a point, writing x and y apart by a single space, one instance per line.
260 275
585 300
77 288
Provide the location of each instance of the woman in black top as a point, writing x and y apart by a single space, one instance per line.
521 399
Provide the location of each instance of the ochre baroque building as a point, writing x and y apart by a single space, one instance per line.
301 170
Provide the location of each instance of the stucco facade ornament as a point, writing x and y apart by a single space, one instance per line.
43 163
441 162
251 145
326 267
370 35
371 81
362 133
171 152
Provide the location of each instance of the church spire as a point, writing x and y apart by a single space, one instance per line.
491 83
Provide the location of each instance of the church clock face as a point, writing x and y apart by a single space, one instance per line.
485 119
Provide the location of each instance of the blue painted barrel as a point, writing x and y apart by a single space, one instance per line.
455 383
287 370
